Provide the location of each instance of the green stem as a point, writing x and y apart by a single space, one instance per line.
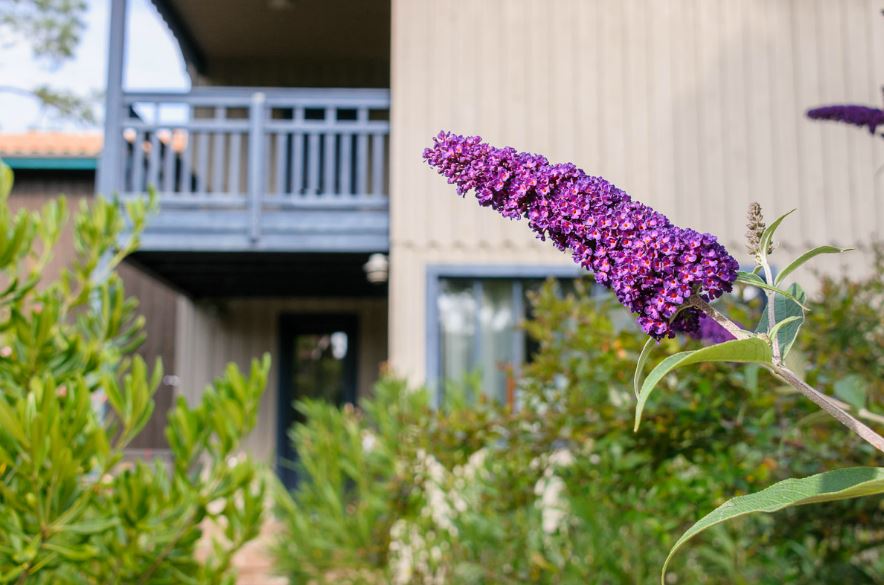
835 408
830 406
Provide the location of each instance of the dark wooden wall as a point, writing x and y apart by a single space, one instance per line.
157 302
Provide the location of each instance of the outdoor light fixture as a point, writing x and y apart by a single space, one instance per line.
377 269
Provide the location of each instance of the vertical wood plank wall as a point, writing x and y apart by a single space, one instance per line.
211 335
695 107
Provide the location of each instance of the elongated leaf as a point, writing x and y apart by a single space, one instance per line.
805 257
852 390
775 330
767 234
785 308
91 526
640 366
751 350
755 280
840 484
6 180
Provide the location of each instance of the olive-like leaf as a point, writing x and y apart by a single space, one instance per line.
755 280
640 365
784 308
6 180
840 484
798 262
767 234
852 390
750 350
775 330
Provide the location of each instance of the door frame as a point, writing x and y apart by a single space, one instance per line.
291 325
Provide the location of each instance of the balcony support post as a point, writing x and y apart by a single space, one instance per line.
110 166
257 164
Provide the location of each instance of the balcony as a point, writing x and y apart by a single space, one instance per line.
248 170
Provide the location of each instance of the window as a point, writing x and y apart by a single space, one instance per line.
475 326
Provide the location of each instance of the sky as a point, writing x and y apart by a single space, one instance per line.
153 61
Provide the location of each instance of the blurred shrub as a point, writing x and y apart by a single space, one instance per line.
560 490
72 398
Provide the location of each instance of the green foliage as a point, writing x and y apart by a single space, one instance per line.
830 486
72 397
51 27
752 350
845 333
790 317
351 490
804 258
779 325
561 490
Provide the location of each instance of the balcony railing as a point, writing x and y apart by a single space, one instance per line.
246 169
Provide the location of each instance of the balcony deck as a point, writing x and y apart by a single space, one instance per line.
244 169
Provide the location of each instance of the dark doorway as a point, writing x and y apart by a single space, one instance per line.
317 361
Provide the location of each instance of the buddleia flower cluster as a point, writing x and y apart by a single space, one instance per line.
862 116
652 266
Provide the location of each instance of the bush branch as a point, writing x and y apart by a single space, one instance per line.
835 408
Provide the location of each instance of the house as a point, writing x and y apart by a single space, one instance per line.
294 163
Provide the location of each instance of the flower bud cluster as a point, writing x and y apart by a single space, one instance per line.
755 229
652 266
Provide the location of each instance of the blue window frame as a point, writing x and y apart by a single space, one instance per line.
473 322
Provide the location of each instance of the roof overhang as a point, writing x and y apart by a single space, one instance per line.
51 163
213 31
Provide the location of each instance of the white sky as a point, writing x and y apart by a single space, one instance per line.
153 61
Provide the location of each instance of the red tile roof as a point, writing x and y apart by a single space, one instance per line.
54 144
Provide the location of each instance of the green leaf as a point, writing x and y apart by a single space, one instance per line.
640 366
840 484
784 309
852 390
775 330
767 234
805 257
6 180
91 526
755 280
751 350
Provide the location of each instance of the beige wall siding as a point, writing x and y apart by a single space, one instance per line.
692 106
209 335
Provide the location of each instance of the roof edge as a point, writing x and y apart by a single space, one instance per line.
190 50
51 163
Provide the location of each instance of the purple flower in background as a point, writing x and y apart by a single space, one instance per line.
862 116
711 332
651 265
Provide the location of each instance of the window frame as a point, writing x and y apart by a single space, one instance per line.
435 273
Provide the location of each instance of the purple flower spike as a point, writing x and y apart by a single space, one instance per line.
651 265
862 116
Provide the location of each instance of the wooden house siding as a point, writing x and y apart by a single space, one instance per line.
695 107
32 190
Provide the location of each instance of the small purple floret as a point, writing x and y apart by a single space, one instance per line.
855 115
651 265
